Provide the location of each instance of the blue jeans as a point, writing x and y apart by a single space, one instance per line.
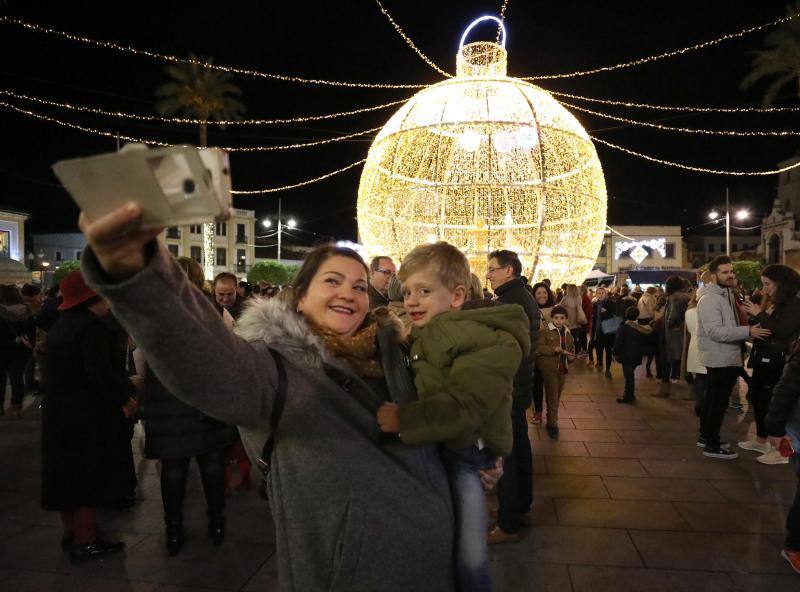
469 505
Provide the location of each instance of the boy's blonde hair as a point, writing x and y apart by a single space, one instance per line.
443 259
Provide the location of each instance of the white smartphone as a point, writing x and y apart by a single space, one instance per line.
176 185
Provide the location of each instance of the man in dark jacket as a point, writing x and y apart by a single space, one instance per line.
628 350
381 271
783 421
515 489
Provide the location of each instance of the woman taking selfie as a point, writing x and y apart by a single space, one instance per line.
353 510
778 311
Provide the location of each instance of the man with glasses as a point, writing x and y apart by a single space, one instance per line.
515 489
381 271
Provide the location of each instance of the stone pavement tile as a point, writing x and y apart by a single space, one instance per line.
765 583
5 573
37 581
702 468
577 486
539 466
265 579
147 517
663 451
621 579
573 397
709 551
253 525
618 467
543 512
726 517
573 413
619 514
611 424
669 425
569 435
31 512
571 545
548 447
653 437
638 488
10 527
529 576
756 492
199 563
37 548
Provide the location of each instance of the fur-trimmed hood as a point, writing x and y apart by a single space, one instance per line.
272 321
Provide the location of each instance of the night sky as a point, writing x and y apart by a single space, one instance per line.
352 40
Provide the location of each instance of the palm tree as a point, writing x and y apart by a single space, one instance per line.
207 94
780 58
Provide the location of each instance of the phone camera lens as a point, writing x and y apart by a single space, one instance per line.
188 186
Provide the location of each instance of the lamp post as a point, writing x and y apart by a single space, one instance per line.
291 223
740 215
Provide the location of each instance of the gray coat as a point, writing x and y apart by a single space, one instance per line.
719 335
353 510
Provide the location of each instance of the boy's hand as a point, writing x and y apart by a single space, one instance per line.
389 418
490 477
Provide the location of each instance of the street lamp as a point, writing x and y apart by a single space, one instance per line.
291 224
740 215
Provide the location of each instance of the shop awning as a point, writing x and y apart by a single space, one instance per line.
659 276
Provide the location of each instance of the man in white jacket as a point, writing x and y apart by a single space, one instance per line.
719 343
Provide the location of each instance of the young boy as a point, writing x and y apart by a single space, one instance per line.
629 347
556 349
464 363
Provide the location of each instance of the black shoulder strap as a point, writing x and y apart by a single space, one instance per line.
277 411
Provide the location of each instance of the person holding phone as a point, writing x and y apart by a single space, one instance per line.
353 509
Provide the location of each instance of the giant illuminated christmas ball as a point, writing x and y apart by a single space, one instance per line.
485 161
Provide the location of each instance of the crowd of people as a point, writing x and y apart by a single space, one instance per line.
381 401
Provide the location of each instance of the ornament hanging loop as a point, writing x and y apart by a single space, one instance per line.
477 21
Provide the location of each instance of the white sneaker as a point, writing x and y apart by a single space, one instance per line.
755 446
773 457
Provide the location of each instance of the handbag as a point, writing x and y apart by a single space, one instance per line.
609 326
264 462
766 354
581 316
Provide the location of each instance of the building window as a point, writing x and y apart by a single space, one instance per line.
222 257
174 250
734 247
241 236
173 232
58 255
669 250
711 248
241 260
196 253
78 255
222 229
195 229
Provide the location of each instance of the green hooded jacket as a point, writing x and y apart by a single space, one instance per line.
464 363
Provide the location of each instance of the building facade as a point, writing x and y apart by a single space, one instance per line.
12 247
703 248
234 242
642 248
780 237
57 247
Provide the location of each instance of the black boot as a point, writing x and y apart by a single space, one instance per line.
173 488
176 537
212 475
95 550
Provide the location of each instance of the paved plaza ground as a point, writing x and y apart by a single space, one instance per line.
625 501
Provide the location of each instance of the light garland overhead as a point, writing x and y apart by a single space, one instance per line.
484 161
668 54
503 9
410 43
177 60
301 183
150 142
687 130
183 120
692 109
694 168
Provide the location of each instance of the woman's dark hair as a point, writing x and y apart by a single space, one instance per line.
9 294
674 284
311 264
29 290
788 281
551 300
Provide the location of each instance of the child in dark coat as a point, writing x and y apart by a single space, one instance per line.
629 347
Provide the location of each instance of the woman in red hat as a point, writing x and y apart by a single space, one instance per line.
84 421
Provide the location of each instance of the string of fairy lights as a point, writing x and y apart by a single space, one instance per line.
300 183
410 43
152 142
95 110
186 120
